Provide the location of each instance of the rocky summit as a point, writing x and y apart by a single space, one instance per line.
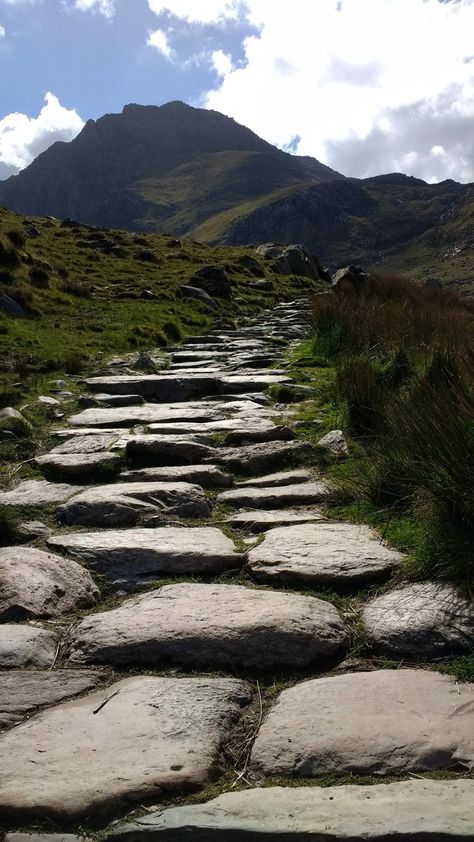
180 642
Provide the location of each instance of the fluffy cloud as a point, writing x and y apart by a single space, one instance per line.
104 7
159 40
369 86
221 62
2 31
199 11
22 138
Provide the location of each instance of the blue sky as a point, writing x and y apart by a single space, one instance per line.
366 86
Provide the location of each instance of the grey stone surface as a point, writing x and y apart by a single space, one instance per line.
124 503
44 837
280 478
207 476
387 722
260 458
432 811
166 450
86 443
34 583
122 745
335 443
37 492
159 387
251 382
24 691
133 557
329 552
255 435
259 521
272 497
26 646
30 530
427 619
147 414
200 625
78 466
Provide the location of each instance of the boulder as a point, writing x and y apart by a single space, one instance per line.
26 646
14 422
350 277
213 280
330 553
387 722
34 583
212 626
185 291
118 747
424 619
11 307
335 443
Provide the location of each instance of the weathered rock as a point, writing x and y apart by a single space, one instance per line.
78 465
37 492
11 307
387 722
119 400
150 413
260 521
335 443
213 280
88 443
208 476
433 811
425 619
258 458
273 497
127 743
135 557
199 625
124 503
14 422
44 837
186 291
281 478
336 553
350 277
166 450
23 691
251 435
30 530
38 584
255 382
26 646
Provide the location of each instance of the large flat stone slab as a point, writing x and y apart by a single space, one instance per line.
118 747
432 811
251 434
158 387
26 646
261 458
291 477
95 442
259 521
425 619
387 722
273 497
24 691
207 476
38 584
330 552
251 382
166 450
34 492
124 503
147 414
133 557
200 625
78 466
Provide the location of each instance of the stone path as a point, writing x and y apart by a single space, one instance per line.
121 689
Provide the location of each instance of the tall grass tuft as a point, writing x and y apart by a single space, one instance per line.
404 361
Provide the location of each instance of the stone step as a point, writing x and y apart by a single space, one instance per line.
330 553
132 558
293 477
259 521
432 811
259 458
212 626
22 692
162 450
117 747
275 497
78 466
34 492
387 722
126 503
207 476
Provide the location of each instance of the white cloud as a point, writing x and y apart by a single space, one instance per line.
104 7
22 138
199 11
221 62
349 77
2 31
159 40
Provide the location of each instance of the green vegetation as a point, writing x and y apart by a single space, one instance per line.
399 378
